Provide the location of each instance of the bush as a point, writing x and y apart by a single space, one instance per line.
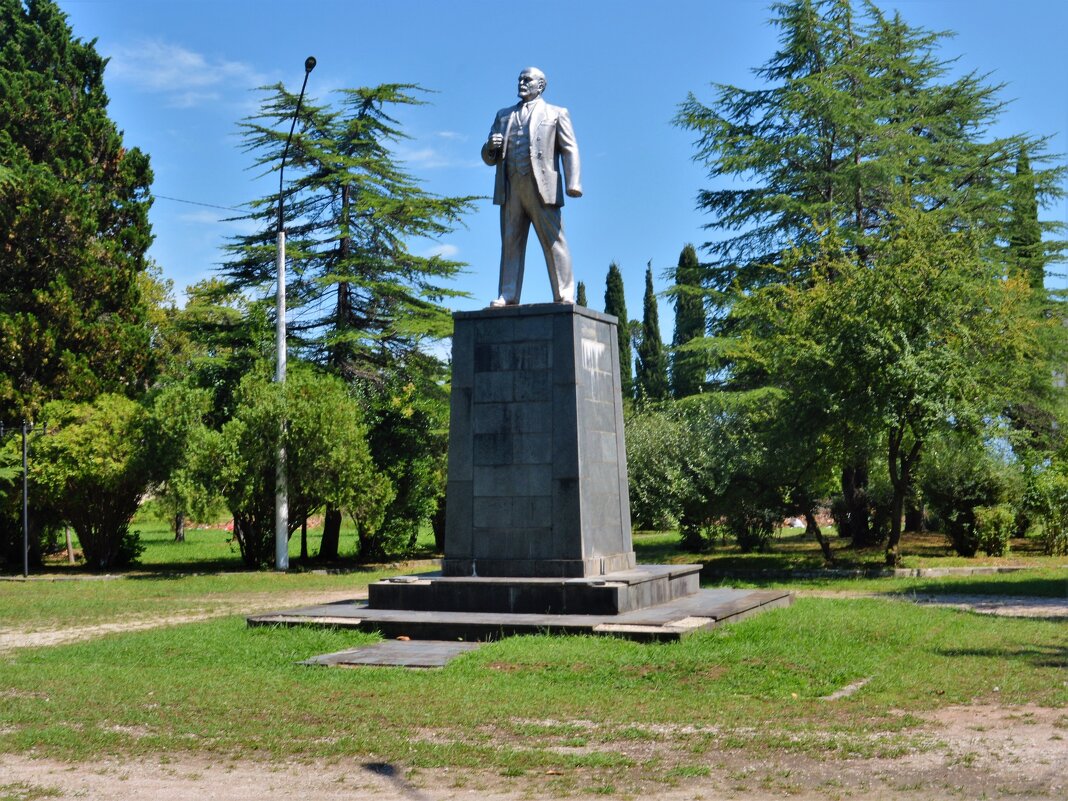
91 470
994 527
654 440
961 475
1048 499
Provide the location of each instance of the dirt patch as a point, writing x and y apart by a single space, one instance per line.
11 638
966 752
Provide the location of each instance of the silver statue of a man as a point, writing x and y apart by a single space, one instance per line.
528 143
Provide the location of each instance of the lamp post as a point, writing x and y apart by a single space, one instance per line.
281 496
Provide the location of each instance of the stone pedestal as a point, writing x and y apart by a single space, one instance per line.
537 466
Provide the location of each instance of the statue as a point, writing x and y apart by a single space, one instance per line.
527 143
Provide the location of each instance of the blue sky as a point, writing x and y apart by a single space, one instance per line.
184 72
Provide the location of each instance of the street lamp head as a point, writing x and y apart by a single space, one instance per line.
309 64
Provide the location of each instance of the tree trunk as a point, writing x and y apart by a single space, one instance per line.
901 464
813 528
914 516
437 524
328 547
857 508
179 527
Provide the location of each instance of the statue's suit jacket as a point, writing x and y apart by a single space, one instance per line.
552 145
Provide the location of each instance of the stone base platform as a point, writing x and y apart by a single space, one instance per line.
608 594
672 620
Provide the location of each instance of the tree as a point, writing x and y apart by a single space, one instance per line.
363 305
74 212
328 459
929 336
687 366
652 379
91 471
857 116
615 303
580 294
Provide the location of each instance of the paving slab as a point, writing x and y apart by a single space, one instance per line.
397 653
704 609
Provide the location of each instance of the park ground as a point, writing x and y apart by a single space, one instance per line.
149 686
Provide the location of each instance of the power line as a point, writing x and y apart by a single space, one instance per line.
196 203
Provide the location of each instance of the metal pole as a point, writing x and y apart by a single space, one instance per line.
25 509
281 496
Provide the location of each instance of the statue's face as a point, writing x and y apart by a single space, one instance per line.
531 85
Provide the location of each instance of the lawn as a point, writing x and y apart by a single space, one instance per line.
587 712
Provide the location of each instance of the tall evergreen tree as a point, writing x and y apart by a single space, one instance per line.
74 214
616 304
652 378
858 116
362 304
687 365
580 294
1026 251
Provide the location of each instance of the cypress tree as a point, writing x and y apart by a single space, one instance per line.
580 294
652 379
687 366
1026 252
74 215
615 303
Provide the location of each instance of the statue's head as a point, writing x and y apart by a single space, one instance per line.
531 84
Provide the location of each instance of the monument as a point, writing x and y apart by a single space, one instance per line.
537 532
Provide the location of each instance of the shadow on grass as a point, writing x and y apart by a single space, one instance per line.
1023 586
1038 656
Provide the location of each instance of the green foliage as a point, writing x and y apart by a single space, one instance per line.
655 457
615 303
1048 500
327 457
408 439
687 363
90 470
360 302
651 373
74 212
994 527
864 175
176 432
960 476
580 294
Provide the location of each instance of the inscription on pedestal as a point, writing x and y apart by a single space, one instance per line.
537 465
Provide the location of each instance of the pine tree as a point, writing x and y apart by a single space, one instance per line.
687 366
652 379
361 303
858 118
580 294
616 304
74 215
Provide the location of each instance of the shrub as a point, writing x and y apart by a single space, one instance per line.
994 527
91 470
1048 499
960 475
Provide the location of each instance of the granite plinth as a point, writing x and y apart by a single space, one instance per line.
537 465
702 610
610 594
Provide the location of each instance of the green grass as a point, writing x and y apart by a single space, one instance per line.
521 704
791 551
213 549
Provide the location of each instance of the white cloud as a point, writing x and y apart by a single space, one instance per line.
453 135
188 78
443 250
